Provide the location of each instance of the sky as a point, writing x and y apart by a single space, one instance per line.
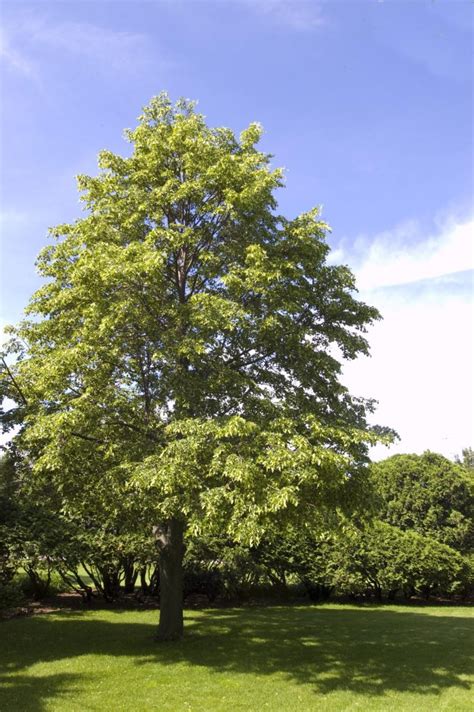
367 105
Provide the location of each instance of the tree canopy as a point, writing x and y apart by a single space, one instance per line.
187 343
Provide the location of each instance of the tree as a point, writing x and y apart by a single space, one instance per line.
466 459
188 342
429 494
382 560
9 560
102 533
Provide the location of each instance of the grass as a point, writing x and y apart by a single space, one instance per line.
327 658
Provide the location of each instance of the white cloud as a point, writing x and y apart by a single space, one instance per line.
301 15
405 255
422 352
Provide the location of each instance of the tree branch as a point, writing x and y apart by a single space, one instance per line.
13 380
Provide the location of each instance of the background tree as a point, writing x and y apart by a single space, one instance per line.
186 340
429 494
381 560
9 510
467 458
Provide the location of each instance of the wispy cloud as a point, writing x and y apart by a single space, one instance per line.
436 50
106 49
301 15
13 58
406 254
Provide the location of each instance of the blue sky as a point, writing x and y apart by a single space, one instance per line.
368 106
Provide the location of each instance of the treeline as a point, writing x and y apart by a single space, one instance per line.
417 540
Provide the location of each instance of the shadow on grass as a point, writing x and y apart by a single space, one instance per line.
27 693
366 651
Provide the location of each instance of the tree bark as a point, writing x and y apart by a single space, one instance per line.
170 541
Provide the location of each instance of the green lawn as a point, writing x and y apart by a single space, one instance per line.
324 658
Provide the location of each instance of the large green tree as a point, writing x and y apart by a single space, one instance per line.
188 339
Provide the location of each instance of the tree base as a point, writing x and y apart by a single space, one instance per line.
168 637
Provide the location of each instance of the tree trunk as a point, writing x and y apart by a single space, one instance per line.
130 574
169 537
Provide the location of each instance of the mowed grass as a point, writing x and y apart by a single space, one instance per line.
328 657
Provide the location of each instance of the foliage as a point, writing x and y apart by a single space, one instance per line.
218 566
382 560
375 560
9 560
428 494
42 533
